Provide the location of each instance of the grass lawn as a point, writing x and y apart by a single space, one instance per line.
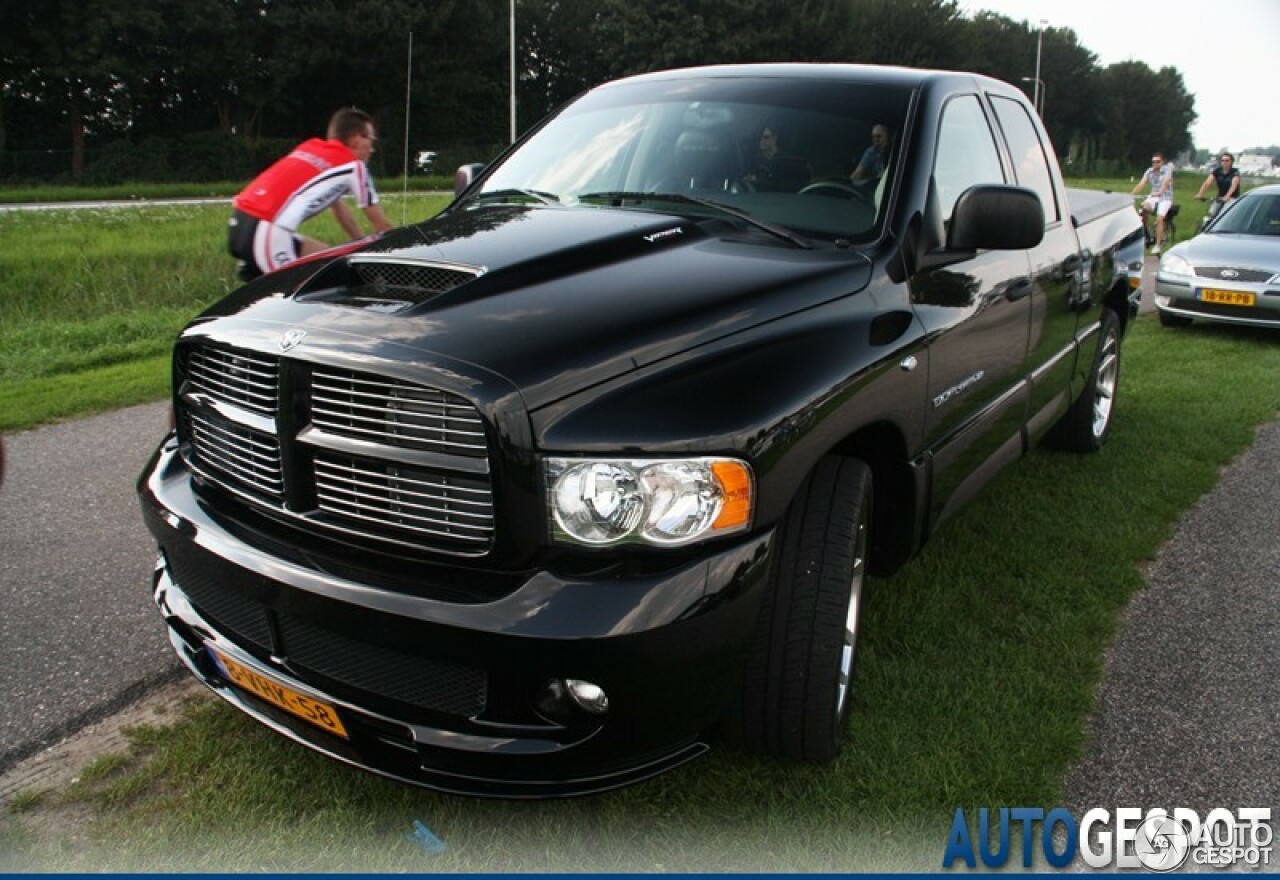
93 298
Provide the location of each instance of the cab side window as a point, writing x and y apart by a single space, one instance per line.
967 153
1030 163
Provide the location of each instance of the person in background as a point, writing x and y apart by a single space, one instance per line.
263 230
1228 180
1160 176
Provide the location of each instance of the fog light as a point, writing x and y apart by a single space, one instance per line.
588 697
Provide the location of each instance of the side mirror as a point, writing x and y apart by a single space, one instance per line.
996 217
464 176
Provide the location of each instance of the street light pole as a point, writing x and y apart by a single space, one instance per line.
1038 101
513 71
1035 101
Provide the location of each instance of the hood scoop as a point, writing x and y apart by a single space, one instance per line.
383 284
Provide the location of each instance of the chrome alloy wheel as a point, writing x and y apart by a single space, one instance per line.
1108 374
852 612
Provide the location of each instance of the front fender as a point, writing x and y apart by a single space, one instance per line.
780 398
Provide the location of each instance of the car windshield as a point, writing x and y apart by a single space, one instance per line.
776 153
1252 215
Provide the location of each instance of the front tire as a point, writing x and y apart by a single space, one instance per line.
1087 424
798 684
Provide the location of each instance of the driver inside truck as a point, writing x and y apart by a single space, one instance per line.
772 170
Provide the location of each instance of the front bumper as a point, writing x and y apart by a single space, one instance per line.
454 696
1182 296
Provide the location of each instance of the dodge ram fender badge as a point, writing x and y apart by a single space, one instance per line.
290 339
958 388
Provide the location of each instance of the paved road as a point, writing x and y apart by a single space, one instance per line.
79 637
1187 713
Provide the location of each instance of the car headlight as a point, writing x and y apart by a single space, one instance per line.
1172 264
650 501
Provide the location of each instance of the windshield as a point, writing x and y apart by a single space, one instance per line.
808 155
1253 215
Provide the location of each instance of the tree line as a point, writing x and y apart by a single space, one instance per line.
109 90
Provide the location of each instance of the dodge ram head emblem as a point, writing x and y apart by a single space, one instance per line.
291 338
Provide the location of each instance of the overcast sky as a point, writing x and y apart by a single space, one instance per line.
1227 54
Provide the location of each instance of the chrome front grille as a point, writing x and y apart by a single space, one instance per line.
245 380
245 457
387 494
355 452
368 407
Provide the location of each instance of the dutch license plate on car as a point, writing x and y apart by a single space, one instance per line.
278 694
1226 297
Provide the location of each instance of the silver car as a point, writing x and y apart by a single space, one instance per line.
1230 273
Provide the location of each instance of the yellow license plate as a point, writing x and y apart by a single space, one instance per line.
320 714
1226 297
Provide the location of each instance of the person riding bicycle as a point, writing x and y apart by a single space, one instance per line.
1227 178
263 231
1160 201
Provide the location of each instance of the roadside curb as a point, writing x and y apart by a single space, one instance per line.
58 766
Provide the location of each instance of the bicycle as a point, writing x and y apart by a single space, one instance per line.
1170 224
1215 207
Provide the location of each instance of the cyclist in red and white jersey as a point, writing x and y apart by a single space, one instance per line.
263 231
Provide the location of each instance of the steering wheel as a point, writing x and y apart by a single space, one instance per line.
836 189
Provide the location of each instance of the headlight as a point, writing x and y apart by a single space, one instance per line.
651 501
1173 264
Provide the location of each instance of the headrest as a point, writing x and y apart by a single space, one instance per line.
697 140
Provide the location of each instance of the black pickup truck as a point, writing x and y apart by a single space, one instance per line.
542 495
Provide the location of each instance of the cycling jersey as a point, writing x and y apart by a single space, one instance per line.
305 182
269 210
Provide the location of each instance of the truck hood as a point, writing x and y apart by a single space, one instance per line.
552 299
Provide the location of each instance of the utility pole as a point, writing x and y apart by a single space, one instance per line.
513 71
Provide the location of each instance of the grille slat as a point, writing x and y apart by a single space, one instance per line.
409 416
377 418
411 499
248 381
381 457
423 516
377 404
339 481
253 461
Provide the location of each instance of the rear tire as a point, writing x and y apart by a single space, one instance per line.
798 684
1087 424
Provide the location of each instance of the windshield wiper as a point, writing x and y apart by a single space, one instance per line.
543 198
617 197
